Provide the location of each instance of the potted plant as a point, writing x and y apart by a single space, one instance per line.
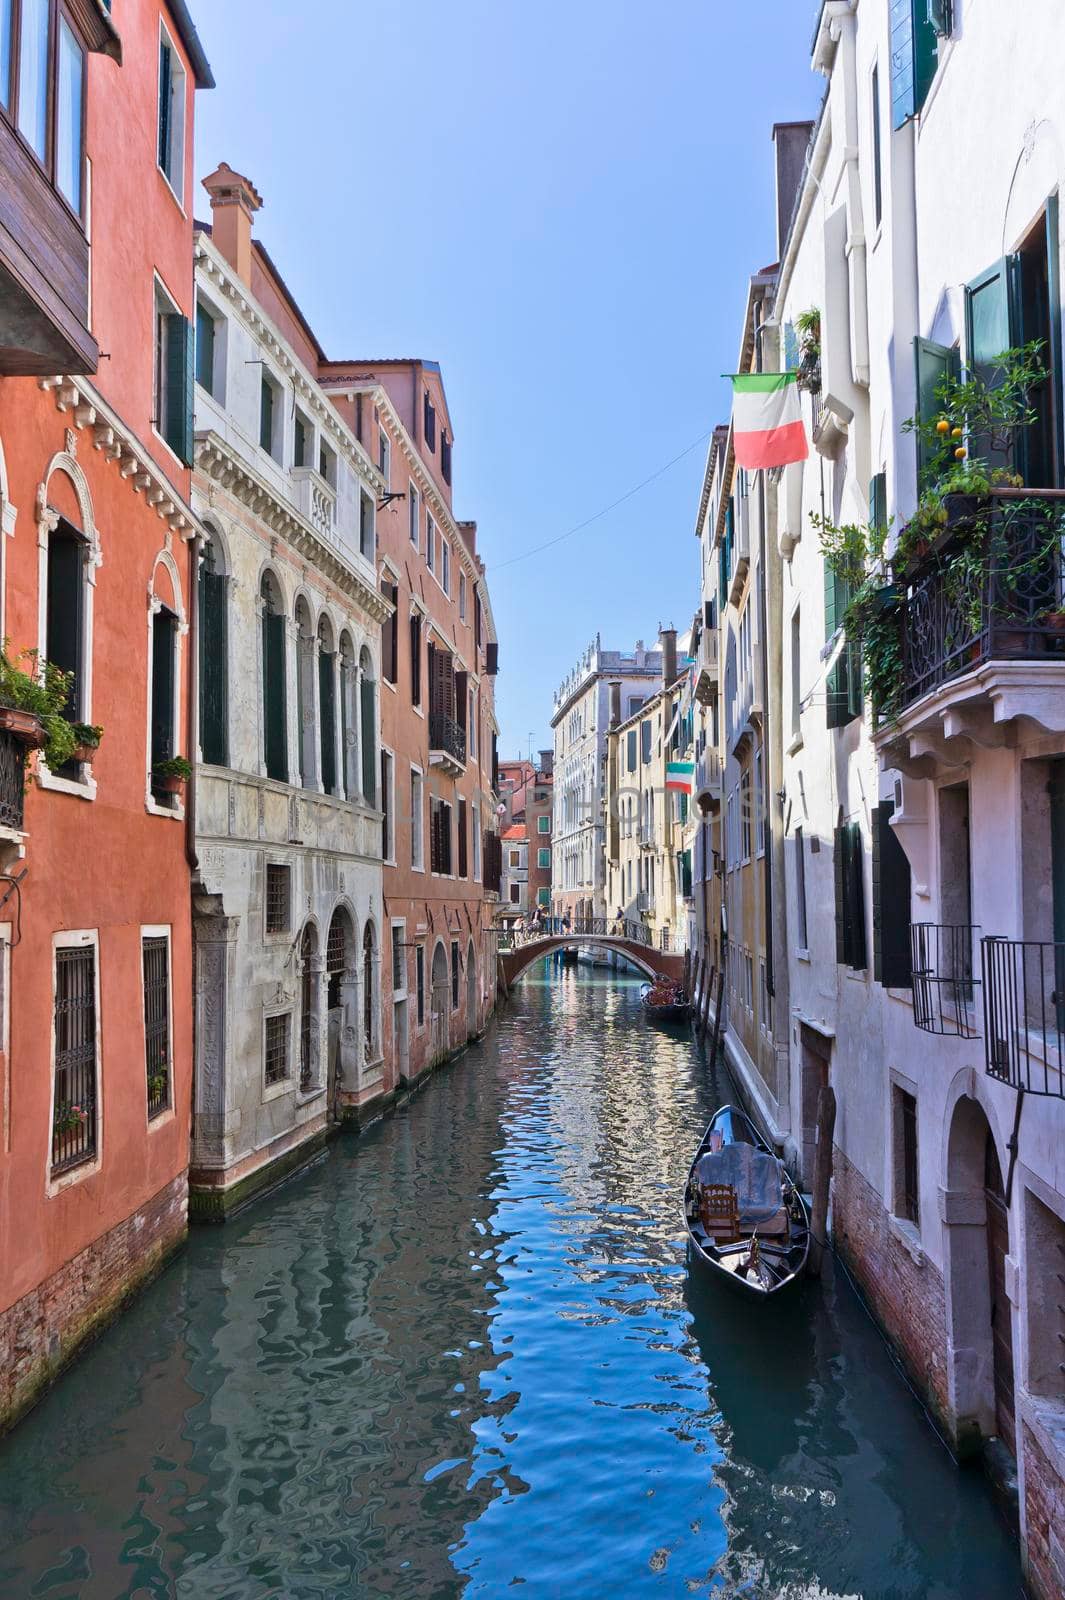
169 775
33 698
156 1087
69 1118
88 741
808 329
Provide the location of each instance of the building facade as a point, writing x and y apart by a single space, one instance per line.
580 720
288 913
526 793
97 572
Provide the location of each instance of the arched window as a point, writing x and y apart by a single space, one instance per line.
308 1008
213 649
367 729
471 991
275 739
327 706
339 955
369 994
305 693
349 718
439 1013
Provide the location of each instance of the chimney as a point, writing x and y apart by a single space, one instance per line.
234 202
547 762
791 141
615 704
668 641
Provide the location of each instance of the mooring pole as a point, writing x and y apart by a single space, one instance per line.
826 1127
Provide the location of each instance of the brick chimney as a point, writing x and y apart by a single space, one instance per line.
234 202
668 641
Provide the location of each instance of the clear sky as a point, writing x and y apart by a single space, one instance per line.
560 203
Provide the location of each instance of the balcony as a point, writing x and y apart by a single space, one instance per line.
944 988
447 744
1024 1009
316 499
12 783
707 789
983 634
706 667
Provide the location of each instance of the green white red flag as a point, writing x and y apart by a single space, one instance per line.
680 776
767 425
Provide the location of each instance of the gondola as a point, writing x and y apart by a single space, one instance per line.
676 1009
747 1223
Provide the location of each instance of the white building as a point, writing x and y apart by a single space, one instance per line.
287 892
580 719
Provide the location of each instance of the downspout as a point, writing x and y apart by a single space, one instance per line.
763 651
844 28
193 719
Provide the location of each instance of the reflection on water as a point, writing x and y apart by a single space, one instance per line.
464 1354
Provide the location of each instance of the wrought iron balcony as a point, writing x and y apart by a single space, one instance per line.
1024 1014
447 742
990 588
942 960
12 782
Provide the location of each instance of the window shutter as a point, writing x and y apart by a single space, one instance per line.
839 871
878 502
941 16
463 846
165 90
853 897
275 741
266 415
205 350
462 698
213 653
369 742
327 713
393 662
708 614
989 326
1054 353
914 56
415 659
164 626
491 658
388 635
180 380
934 363
891 904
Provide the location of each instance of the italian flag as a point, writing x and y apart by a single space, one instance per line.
767 427
680 775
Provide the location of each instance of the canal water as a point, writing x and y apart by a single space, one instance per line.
464 1356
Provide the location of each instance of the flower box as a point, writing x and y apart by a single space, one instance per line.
26 726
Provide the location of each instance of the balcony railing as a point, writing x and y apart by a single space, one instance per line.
942 959
708 775
446 738
1024 1014
706 667
317 500
991 587
12 781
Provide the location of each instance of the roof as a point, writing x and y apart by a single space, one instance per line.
186 28
293 304
515 831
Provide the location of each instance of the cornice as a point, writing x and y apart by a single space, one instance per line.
77 398
216 460
215 270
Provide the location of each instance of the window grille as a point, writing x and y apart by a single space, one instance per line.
307 949
275 1067
74 1113
454 975
156 1022
277 897
399 972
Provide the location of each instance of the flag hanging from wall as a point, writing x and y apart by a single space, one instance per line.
767 425
680 776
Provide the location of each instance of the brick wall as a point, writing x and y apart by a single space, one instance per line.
1044 1508
906 1297
41 1333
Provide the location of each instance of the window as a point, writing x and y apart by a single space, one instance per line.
796 670
429 421
430 542
213 653
462 597
473 725
278 897
419 968
515 894
878 176
759 826
543 897
907 1183
339 956
70 92
800 891
439 837
368 727
415 658
417 821
384 455
543 824
515 858
164 702
454 975
204 348
445 457
275 1049
308 981
390 634
65 620
476 843
171 115
630 763
32 108
635 702
646 736
327 464
845 693
464 829
413 518
155 962
275 738
388 838
399 960
74 1108
745 814
850 896
367 534
269 417
302 434
543 859
369 994
892 957
173 376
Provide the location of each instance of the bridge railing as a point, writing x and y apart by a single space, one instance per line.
515 938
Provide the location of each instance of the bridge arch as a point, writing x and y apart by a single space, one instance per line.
652 963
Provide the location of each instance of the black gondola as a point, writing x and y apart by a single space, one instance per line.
677 1009
746 1220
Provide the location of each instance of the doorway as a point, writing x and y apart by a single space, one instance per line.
998 1248
401 1037
441 994
816 1058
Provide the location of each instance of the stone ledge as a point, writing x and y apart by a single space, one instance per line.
211 1202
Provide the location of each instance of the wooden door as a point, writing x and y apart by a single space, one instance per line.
998 1246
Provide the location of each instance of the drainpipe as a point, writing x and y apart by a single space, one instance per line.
193 718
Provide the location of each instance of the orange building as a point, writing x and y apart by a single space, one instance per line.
97 559
439 761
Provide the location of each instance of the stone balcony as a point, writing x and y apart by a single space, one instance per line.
707 787
316 499
706 667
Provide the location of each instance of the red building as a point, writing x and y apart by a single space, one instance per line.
97 560
527 792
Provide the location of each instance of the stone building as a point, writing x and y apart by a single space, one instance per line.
580 720
289 919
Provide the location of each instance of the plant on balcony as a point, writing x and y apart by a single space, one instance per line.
33 700
88 738
808 330
854 552
170 774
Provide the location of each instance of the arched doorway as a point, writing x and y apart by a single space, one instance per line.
369 995
309 1042
341 972
979 1313
440 1002
471 992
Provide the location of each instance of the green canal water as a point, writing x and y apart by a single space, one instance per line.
464 1356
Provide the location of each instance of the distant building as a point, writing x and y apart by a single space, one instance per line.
526 790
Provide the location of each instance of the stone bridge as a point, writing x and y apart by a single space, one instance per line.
633 943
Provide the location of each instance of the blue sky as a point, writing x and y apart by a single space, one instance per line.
561 204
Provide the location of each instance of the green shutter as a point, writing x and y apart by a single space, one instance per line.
853 897
180 380
914 57
1054 296
266 415
327 718
369 741
165 90
934 364
213 651
941 16
204 349
839 875
891 904
878 502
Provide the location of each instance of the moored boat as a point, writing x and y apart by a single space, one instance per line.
746 1220
665 1002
